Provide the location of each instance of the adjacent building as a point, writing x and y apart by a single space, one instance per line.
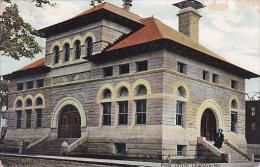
118 84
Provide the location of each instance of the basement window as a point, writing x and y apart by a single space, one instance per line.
120 148
181 150
215 78
234 84
108 71
19 86
205 75
124 69
29 85
141 66
182 68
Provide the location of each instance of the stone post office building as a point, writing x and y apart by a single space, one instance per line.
115 84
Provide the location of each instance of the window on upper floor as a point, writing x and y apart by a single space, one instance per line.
123 92
182 67
107 94
141 66
123 113
141 90
89 46
123 69
29 84
39 101
108 71
38 118
19 86
19 104
66 50
77 49
234 84
233 121
39 83
180 113
206 75
28 118
106 120
140 112
215 78
181 92
56 52
253 110
18 119
28 103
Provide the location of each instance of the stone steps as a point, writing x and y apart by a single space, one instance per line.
49 147
236 157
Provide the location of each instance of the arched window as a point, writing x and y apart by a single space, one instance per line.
234 108
89 46
28 103
39 101
123 92
77 47
181 92
234 104
66 50
141 90
107 94
56 52
19 104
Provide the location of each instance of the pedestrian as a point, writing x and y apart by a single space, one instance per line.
221 138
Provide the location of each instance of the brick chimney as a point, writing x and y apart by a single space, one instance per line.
127 4
189 18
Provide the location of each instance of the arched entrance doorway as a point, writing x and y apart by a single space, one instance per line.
69 123
208 125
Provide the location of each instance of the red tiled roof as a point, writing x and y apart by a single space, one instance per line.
155 30
35 64
114 9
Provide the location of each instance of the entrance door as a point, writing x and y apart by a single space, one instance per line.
208 125
69 123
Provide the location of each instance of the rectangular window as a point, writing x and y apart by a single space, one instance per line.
29 85
234 121
18 119
234 84
181 150
215 78
253 110
28 118
108 71
106 114
179 113
38 118
120 148
140 111
123 113
124 69
19 86
205 75
253 126
39 83
182 68
141 66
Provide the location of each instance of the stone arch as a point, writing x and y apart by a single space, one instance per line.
42 97
15 101
101 90
67 40
89 34
57 43
29 97
213 105
181 84
68 101
123 84
142 82
230 101
78 37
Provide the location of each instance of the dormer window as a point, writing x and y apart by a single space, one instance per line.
66 52
89 46
77 47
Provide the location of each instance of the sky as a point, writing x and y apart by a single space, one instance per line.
230 28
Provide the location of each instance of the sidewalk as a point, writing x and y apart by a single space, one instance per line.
122 163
